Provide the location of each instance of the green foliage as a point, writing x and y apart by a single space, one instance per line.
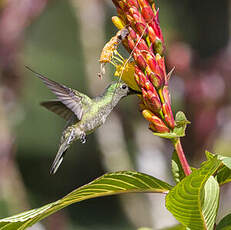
177 170
179 130
225 223
194 200
223 174
108 184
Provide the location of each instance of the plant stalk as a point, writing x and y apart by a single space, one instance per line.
181 156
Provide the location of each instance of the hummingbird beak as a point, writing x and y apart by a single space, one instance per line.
132 91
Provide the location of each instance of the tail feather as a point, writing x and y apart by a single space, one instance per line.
59 158
61 152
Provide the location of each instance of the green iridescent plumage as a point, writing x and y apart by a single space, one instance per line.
82 113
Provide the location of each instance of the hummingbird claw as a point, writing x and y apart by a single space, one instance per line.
83 138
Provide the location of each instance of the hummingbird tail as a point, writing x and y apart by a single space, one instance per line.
58 159
61 152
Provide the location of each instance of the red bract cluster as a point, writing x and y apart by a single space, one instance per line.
145 43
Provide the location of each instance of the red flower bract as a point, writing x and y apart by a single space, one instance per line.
146 44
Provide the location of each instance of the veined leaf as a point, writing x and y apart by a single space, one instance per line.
223 175
210 200
108 184
194 200
225 223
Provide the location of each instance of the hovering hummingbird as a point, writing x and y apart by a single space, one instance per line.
83 114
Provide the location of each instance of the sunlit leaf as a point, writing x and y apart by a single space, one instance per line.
194 200
108 184
223 174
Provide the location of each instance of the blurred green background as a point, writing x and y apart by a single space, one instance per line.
62 40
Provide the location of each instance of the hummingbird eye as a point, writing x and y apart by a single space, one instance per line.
124 86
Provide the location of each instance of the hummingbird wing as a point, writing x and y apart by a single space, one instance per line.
74 100
59 108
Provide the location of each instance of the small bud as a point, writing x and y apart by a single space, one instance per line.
168 115
140 27
140 59
154 101
142 46
132 3
132 34
143 3
134 12
137 78
151 34
147 13
148 86
131 43
157 124
117 21
142 80
151 62
158 46
130 18
156 80
121 4
144 93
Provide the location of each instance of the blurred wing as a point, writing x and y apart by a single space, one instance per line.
59 108
71 98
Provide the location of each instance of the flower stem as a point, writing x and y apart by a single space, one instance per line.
181 156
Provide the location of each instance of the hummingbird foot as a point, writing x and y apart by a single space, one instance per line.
83 138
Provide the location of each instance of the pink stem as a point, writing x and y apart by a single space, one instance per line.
181 156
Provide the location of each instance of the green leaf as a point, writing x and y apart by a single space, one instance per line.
177 170
225 223
108 184
224 173
179 130
194 200
210 200
181 124
209 155
225 160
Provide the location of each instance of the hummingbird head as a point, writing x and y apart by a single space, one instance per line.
118 90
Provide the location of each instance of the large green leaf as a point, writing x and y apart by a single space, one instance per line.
225 223
194 200
108 184
223 175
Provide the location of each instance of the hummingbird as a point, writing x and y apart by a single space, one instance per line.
83 114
